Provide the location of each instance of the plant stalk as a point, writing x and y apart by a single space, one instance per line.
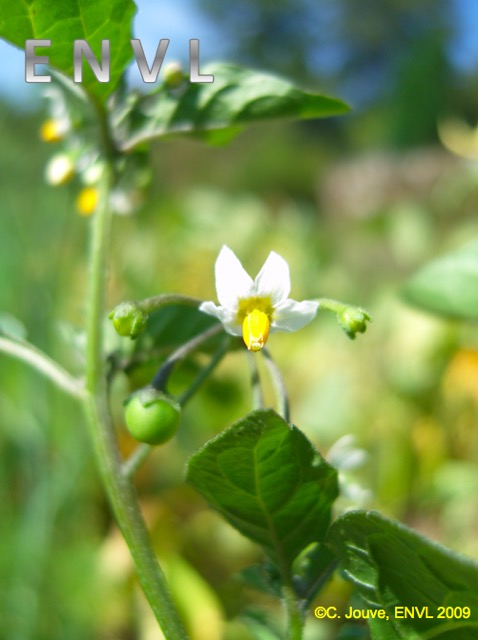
119 488
295 616
26 352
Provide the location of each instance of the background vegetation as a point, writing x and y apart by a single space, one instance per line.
356 205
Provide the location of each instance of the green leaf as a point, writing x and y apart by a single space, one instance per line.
269 482
62 23
171 326
448 285
217 111
392 566
263 577
315 568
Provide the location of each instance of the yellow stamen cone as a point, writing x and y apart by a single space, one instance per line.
87 200
50 131
255 330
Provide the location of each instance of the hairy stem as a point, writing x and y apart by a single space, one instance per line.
162 376
165 299
27 353
205 372
120 490
295 617
256 389
331 305
279 386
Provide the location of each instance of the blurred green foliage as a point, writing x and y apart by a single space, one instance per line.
354 217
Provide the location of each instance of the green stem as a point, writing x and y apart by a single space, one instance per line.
256 389
120 490
295 617
26 352
331 305
155 302
279 386
136 459
162 376
205 372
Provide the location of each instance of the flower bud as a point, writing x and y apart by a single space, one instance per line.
173 75
353 320
152 416
129 320
59 170
93 173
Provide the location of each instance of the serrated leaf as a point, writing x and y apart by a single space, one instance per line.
448 285
269 482
64 22
392 566
218 110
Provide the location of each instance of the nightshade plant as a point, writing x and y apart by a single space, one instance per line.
262 474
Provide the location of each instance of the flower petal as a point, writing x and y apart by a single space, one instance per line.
232 281
291 315
225 316
273 280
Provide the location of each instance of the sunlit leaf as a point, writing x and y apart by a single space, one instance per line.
218 110
269 482
449 285
392 566
65 22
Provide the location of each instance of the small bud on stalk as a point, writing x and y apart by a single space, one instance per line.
353 320
129 320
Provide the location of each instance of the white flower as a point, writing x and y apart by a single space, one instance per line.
253 308
59 170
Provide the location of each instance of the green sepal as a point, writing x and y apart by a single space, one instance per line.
129 319
353 320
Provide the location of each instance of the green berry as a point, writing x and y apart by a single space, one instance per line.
152 416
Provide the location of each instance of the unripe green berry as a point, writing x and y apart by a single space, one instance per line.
152 416
129 320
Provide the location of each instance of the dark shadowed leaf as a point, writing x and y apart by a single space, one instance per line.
392 566
171 326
